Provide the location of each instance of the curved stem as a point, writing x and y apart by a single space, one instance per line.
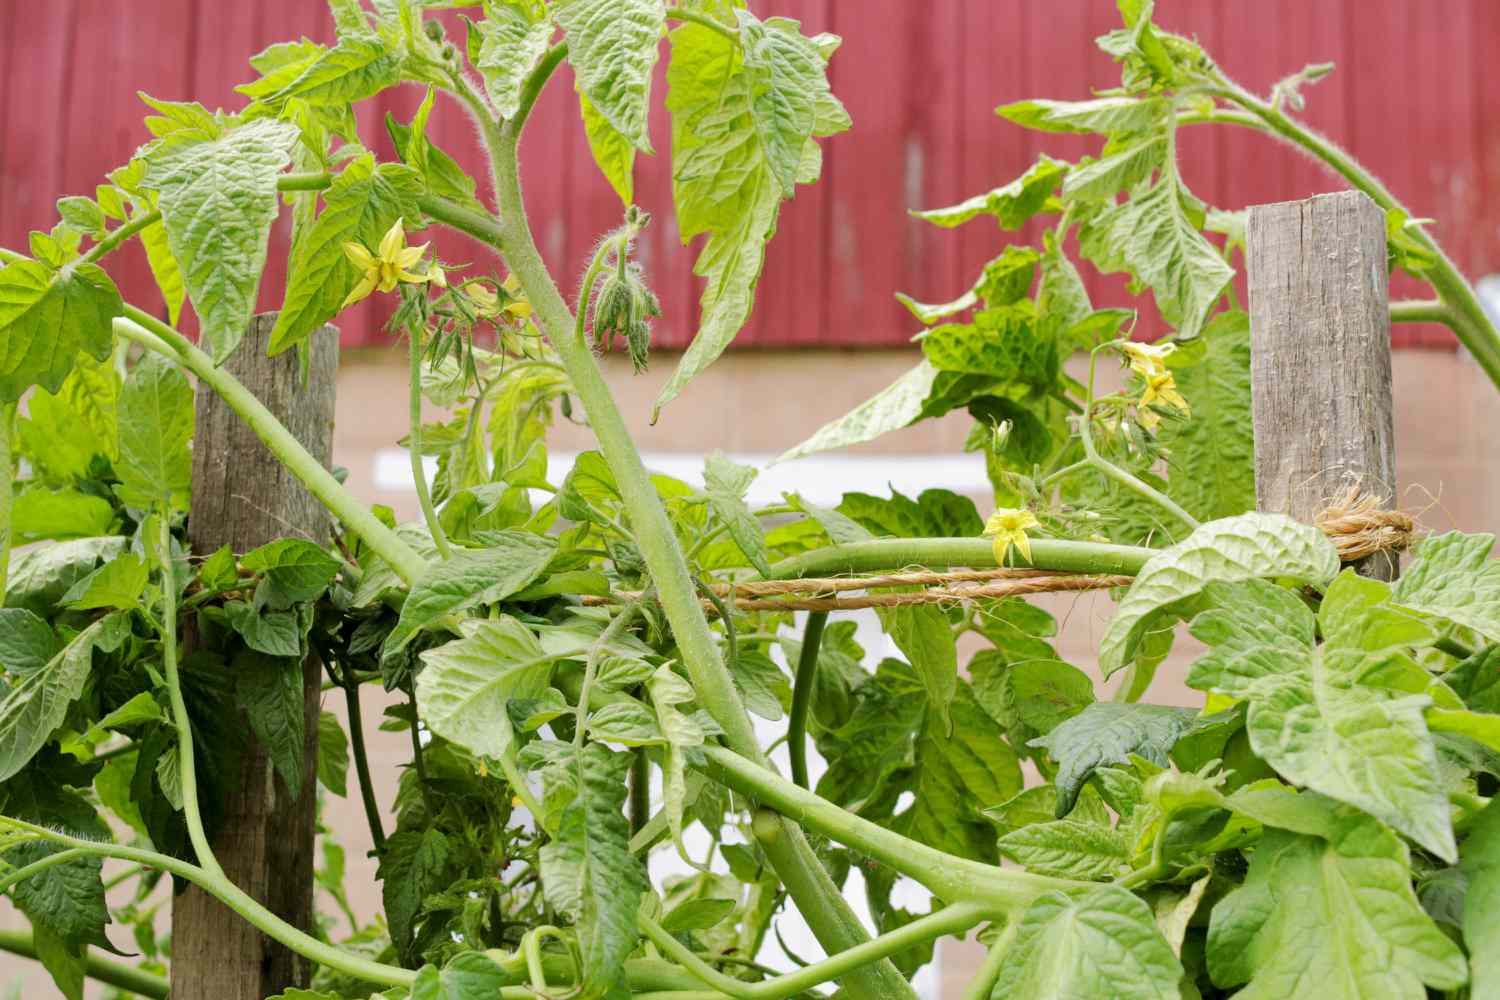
25 872
151 333
978 553
361 759
950 878
532 88
7 490
99 969
414 446
693 17
802 692
983 983
180 719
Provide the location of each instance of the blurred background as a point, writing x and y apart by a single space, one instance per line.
1415 96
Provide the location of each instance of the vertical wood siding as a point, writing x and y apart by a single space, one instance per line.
1416 96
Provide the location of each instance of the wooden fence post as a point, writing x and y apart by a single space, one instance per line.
243 498
1320 345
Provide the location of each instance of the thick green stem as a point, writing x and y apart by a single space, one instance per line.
414 446
1421 311
7 490
889 554
802 692
154 335
658 545
102 970
361 759
949 920
950 878
187 768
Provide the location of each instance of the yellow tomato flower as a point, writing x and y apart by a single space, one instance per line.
1160 388
519 307
436 275
1008 527
384 270
486 302
1147 360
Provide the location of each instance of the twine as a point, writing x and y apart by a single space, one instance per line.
1355 523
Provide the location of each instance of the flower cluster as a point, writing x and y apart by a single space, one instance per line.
1149 361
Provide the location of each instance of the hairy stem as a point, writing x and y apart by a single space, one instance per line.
151 333
102 970
185 757
414 445
802 692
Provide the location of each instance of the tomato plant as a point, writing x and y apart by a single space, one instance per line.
1321 827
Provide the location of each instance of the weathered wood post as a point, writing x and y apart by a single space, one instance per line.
243 498
1320 343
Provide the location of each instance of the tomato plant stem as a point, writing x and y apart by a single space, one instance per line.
977 553
99 969
414 444
350 685
802 691
7 490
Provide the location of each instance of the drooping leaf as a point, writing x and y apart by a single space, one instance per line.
1095 943
362 203
269 689
165 269
1108 732
612 47
612 151
1329 919
47 317
1103 114
726 484
156 423
1453 578
922 633
39 576
36 706
333 754
895 406
1236 548
411 867
1481 912
465 685
1011 204
587 869
1212 451
218 200
360 66
512 40
511 561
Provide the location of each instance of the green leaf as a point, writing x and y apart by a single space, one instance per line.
1068 848
612 46
220 571
726 484
1010 205
935 513
761 683
1329 919
1103 114
930 313
512 560
39 576
47 317
40 514
1212 459
1094 943
360 66
1108 732
1119 171
119 583
1315 715
1003 343
275 633
894 407
512 41
743 121
1454 579
412 866
1235 548
465 685
588 872
1151 236
218 200
627 722
36 706
1481 913
156 423
333 754
139 709
922 633
682 733
269 689
165 269
360 206
64 960
297 569
27 642
612 151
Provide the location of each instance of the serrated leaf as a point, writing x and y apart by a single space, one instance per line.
296 568
412 866
360 66
269 689
726 484
626 722
361 205
612 46
156 423
930 312
333 754
588 872
218 200
1246 547
465 685
1212 463
119 583
894 407
1454 579
1103 114
32 709
612 151
1151 236
1481 912
1329 919
512 560
511 43
1005 343
1119 171
1312 716
47 317
1068 848
1108 732
1094 943
39 576
668 691
1010 204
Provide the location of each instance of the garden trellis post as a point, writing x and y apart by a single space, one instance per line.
243 497
1320 341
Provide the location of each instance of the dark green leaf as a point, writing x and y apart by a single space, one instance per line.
1109 732
333 754
47 317
269 689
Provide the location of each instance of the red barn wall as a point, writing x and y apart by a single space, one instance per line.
1416 96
